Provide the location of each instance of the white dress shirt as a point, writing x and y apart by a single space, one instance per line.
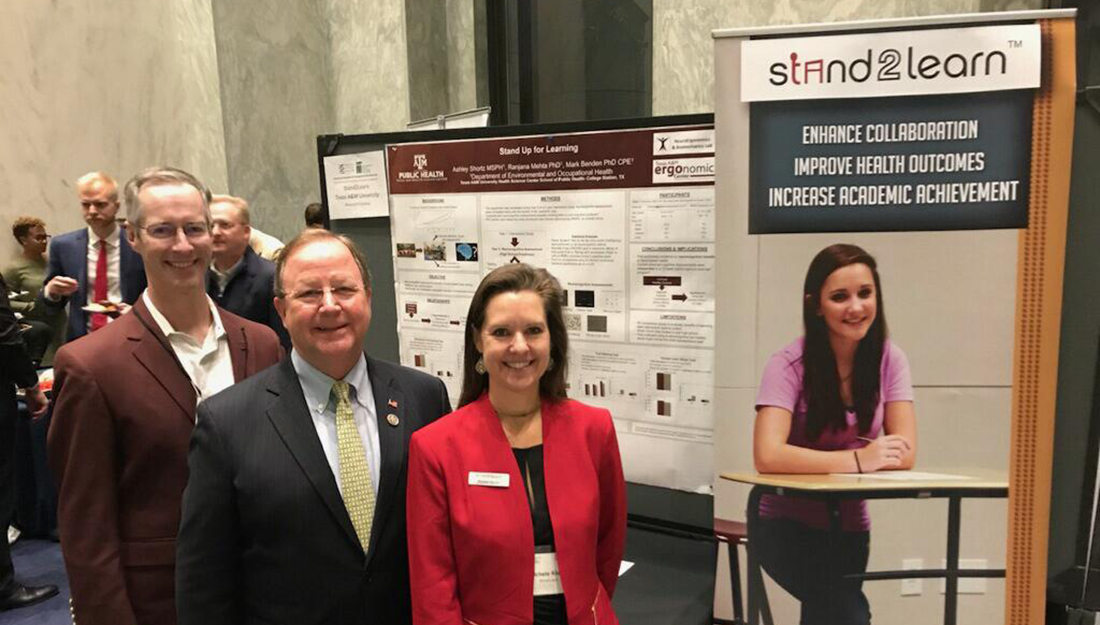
317 388
208 364
114 268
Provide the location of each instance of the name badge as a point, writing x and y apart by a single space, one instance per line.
547 577
496 480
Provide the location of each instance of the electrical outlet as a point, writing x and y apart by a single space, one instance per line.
912 587
968 585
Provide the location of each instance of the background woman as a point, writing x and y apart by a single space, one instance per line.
838 400
519 479
26 275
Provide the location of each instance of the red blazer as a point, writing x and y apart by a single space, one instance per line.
117 447
471 548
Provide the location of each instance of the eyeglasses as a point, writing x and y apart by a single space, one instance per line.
313 297
42 237
163 230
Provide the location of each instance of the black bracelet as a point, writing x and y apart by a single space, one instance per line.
856 455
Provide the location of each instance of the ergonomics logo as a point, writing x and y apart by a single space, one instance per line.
683 170
893 63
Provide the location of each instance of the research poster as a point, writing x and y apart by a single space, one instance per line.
625 220
897 130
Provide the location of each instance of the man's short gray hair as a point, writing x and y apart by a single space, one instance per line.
155 177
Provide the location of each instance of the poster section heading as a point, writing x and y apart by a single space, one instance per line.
619 159
949 162
893 63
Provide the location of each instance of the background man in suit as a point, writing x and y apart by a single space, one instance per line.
16 369
239 280
295 508
125 408
94 264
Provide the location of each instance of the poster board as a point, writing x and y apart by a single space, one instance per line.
1035 166
622 214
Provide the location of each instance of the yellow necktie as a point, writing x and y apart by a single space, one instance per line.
355 478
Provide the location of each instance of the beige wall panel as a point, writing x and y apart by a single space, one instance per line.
737 255
732 451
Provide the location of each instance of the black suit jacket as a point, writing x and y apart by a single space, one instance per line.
265 537
69 257
251 293
16 368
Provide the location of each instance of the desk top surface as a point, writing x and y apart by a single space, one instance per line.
938 479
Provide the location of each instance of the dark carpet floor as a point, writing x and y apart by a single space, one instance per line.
38 562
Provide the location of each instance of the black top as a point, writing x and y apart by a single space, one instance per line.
549 609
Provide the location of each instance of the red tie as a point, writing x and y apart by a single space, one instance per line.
99 319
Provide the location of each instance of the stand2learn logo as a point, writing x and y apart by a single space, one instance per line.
892 63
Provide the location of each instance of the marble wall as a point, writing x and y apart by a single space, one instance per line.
112 86
235 91
464 54
370 77
426 32
276 88
443 57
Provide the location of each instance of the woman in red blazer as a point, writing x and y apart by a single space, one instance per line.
516 501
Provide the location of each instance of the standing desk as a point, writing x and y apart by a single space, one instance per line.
832 489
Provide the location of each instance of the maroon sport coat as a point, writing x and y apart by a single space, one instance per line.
121 425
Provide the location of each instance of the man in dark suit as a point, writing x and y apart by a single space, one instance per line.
239 280
125 408
295 508
16 369
94 264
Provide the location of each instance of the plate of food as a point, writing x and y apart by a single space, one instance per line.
105 306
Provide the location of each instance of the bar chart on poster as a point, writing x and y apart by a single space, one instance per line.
624 219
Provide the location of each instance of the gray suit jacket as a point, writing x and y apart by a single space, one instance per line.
265 536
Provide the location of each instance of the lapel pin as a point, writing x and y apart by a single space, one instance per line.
393 403
392 419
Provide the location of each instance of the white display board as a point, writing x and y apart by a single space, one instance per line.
625 220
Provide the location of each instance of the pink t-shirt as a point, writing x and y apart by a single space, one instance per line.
781 387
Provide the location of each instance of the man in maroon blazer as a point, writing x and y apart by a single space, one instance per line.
125 407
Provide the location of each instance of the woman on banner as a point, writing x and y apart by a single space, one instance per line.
516 501
837 400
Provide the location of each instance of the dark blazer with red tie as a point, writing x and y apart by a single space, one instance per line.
265 537
69 257
117 445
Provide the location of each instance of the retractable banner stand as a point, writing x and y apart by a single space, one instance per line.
884 133
624 219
